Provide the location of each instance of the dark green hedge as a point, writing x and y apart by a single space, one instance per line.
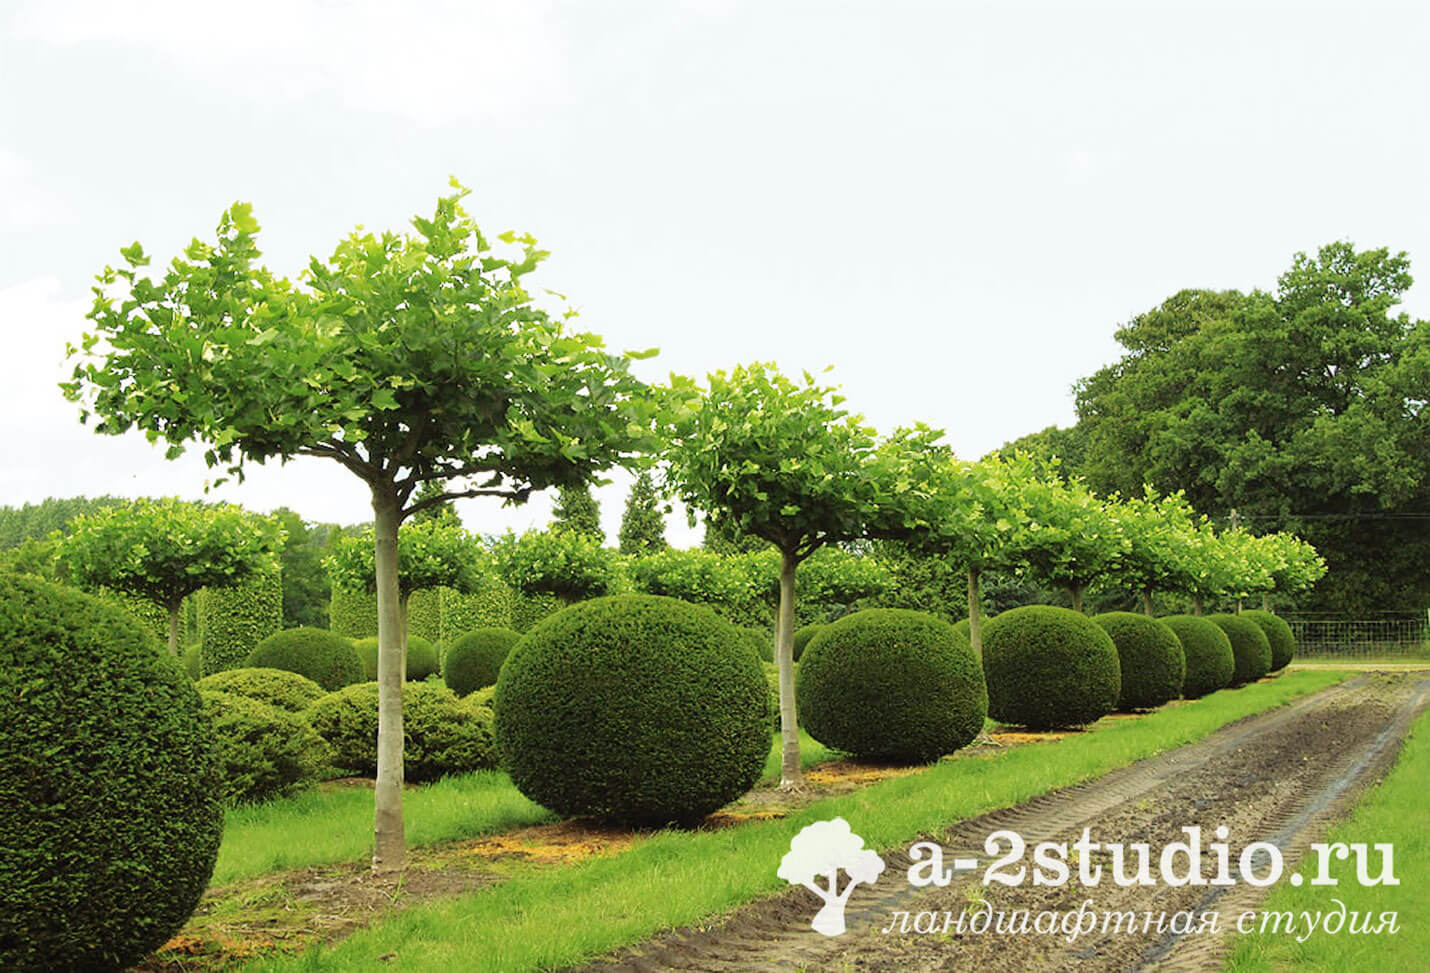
634 708
193 659
109 806
1150 657
441 734
891 684
1249 646
327 659
424 614
1278 633
264 751
490 606
232 621
472 661
352 613
1049 667
757 640
1210 661
275 687
802 637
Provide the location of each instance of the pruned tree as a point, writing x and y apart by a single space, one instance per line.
768 457
569 565
643 523
163 550
1071 537
1159 528
406 359
821 851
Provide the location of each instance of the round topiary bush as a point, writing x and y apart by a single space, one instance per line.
441 734
264 750
1150 657
802 638
473 660
639 709
328 659
1210 661
1048 666
891 684
276 687
758 641
1278 633
1249 646
772 679
110 815
422 659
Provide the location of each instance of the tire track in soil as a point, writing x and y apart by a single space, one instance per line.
1283 773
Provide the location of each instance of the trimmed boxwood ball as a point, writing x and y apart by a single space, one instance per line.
110 815
802 638
1210 661
421 657
276 687
1150 657
324 657
441 734
264 750
1249 646
891 684
1049 667
637 709
757 640
1278 633
473 660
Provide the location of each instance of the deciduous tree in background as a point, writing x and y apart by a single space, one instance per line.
165 550
407 359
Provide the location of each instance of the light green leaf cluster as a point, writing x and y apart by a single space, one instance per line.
430 554
567 564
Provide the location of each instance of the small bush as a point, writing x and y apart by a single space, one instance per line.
1249 646
276 687
109 811
473 660
1049 667
1150 657
891 684
1210 661
328 659
234 620
421 657
1278 633
440 733
802 638
264 751
758 641
633 708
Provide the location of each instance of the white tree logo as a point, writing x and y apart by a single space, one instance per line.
821 850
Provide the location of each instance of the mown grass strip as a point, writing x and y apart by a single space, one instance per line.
1394 812
330 826
561 917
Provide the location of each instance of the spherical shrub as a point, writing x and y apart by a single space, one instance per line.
110 815
1210 661
441 734
473 660
1150 657
1049 666
1278 633
1249 646
324 657
264 750
421 657
758 641
802 638
276 687
633 708
891 684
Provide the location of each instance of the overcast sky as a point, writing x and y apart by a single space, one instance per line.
955 204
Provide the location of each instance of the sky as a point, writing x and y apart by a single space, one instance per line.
954 204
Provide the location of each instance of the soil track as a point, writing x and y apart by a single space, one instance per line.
1281 776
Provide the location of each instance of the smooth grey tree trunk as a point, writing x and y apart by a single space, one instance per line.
1196 604
975 612
791 775
1147 603
174 619
1077 591
1266 601
389 841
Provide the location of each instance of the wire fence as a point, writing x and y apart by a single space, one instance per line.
1325 637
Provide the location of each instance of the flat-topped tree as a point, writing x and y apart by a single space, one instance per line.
1208 569
1297 566
1071 537
166 549
768 457
1158 527
407 359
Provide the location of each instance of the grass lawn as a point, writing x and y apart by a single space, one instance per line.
559 917
335 825
1392 813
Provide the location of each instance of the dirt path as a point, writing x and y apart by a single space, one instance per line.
1280 776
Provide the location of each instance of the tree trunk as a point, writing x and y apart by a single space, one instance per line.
1238 605
791 775
389 842
174 618
1266 601
1147 603
975 612
1077 591
1196 604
